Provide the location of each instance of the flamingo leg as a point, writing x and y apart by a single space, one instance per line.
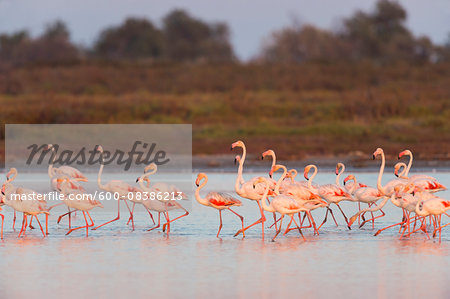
220 226
274 223
380 230
373 219
14 221
86 226
132 210
46 224
298 227
242 220
184 215
289 225
279 229
115 219
42 230
343 214
31 220
24 225
261 220
3 220
275 220
131 214
159 222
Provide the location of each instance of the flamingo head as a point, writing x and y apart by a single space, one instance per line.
259 180
348 178
275 168
238 143
200 176
11 172
150 167
268 153
292 173
306 171
237 159
99 148
379 151
339 166
397 167
405 152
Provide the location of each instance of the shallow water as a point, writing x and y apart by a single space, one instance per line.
116 261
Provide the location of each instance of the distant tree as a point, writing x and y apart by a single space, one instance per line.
135 38
382 35
189 39
53 46
298 44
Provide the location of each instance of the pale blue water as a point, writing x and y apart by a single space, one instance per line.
116 261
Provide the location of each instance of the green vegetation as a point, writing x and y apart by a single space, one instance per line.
297 109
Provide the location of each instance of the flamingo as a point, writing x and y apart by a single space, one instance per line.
1 215
366 195
281 204
11 189
425 182
217 200
435 206
333 194
246 189
340 168
25 201
388 188
118 187
158 205
64 170
77 200
403 199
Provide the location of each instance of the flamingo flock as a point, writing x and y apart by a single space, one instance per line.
415 195
285 196
66 180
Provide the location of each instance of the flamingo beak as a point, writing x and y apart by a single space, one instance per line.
197 184
235 161
373 157
137 180
262 157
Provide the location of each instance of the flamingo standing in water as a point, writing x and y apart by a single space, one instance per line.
77 200
31 207
366 195
333 194
217 200
434 206
425 182
27 202
114 186
160 206
246 189
281 204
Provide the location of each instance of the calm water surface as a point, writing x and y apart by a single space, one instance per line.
116 261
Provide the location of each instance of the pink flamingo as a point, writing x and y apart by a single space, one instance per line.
281 204
425 182
159 205
217 200
333 194
77 200
366 195
116 187
246 189
435 206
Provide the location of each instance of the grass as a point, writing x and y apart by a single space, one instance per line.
296 110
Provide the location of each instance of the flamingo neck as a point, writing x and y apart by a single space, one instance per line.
274 159
201 200
312 177
12 178
354 185
380 174
409 164
51 170
100 171
338 177
141 182
239 178
277 186
266 207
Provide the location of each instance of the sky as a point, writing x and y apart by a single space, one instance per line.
251 21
